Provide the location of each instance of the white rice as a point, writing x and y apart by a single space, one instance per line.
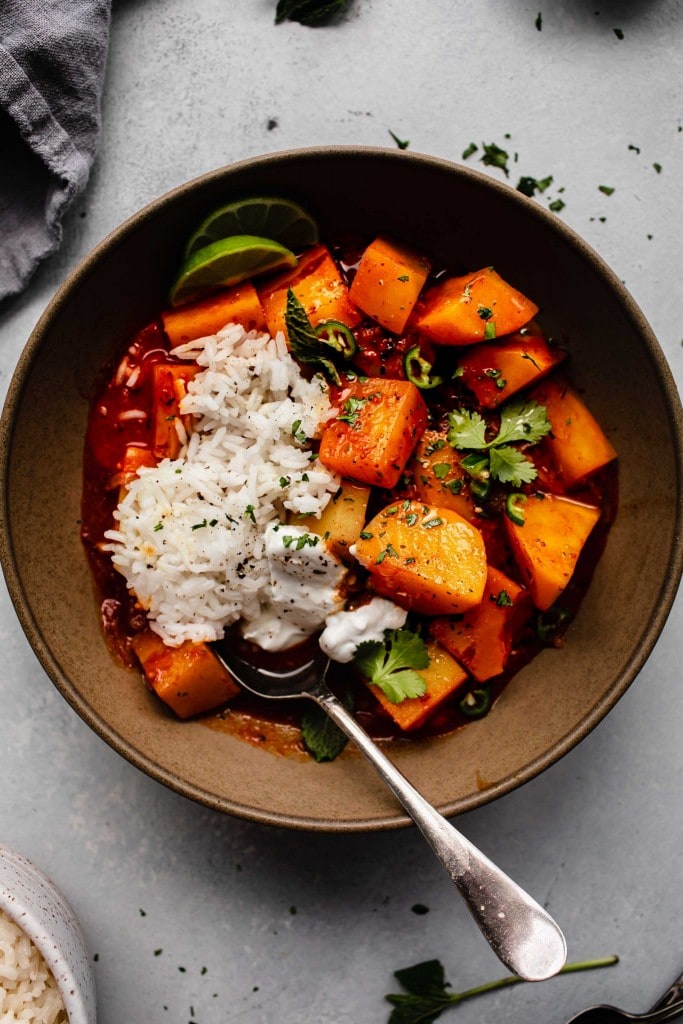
28 990
189 534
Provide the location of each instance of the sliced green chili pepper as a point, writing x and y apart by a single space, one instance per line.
476 465
514 510
338 336
418 370
477 702
550 623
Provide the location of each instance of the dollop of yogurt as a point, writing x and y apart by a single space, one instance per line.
345 630
305 588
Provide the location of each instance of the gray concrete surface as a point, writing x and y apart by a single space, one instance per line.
193 916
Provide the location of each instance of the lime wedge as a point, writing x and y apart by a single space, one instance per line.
266 216
228 262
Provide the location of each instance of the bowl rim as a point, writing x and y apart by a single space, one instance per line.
156 207
33 918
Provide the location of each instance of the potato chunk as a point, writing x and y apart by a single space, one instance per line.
443 676
424 558
388 282
189 678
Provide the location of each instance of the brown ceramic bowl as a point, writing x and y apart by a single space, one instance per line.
458 216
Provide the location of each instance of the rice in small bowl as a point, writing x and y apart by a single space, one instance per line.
46 974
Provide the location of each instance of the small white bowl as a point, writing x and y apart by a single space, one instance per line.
40 910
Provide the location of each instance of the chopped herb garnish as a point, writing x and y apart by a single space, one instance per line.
297 433
199 526
504 600
658 168
484 312
467 153
158 526
366 535
539 21
619 33
249 513
494 156
441 470
557 205
606 190
404 278
401 143
392 664
284 481
489 330
430 523
529 186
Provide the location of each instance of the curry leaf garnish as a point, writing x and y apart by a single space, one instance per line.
519 421
304 343
392 664
308 12
427 996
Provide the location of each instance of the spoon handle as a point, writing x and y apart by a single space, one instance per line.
519 930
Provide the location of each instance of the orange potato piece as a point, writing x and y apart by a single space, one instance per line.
319 287
341 520
189 678
383 422
424 558
439 478
495 372
547 547
443 676
577 445
239 305
169 381
482 639
477 307
388 282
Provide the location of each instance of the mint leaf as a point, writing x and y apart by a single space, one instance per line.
322 737
308 12
304 343
425 978
391 664
510 467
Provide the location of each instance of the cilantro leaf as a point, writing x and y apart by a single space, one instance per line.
510 467
519 421
322 737
467 429
391 664
308 12
522 421
304 343
423 979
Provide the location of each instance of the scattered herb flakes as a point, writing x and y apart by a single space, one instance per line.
292 910
427 996
529 186
401 143
467 153
392 663
607 190
619 33
312 13
143 913
658 168
557 205
158 952
636 149
494 156
419 909
539 21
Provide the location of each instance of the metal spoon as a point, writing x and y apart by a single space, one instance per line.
520 932
667 1008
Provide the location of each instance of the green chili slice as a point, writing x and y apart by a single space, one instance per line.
477 702
514 510
338 336
418 370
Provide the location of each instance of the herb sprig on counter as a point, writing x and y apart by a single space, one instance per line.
427 996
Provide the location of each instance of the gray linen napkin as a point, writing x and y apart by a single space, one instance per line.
52 60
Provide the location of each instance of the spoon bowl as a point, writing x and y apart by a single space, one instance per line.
668 1007
521 933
